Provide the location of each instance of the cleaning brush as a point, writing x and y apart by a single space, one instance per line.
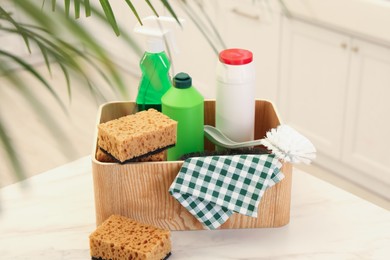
289 145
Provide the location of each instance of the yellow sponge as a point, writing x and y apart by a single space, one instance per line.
136 135
122 238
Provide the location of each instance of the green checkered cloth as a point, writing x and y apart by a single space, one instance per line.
212 188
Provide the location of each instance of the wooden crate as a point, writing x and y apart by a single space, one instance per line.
140 190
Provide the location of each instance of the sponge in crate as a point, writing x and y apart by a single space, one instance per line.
133 136
104 157
122 238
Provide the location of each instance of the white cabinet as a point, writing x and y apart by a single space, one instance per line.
313 84
367 120
335 89
254 25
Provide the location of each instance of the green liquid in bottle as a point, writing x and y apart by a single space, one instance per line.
155 80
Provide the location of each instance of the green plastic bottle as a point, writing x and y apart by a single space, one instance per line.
154 64
155 80
185 104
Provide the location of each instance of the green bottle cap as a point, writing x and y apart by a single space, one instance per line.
182 80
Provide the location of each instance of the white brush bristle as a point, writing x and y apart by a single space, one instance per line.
289 145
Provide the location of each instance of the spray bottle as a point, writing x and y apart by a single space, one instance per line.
155 64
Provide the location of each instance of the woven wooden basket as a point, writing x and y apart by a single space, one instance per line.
140 190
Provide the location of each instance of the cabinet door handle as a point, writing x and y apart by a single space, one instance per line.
245 14
355 49
343 45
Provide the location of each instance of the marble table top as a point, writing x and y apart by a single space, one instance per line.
51 215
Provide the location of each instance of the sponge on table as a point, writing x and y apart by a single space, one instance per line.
122 238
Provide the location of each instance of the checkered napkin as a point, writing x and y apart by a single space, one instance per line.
213 188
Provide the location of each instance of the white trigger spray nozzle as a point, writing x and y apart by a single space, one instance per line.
156 29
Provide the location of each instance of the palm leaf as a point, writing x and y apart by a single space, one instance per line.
4 15
83 35
133 10
65 53
45 56
170 10
10 152
124 35
36 74
57 132
77 9
110 15
87 7
100 53
53 5
152 8
67 79
67 7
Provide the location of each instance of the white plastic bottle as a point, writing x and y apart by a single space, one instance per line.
235 97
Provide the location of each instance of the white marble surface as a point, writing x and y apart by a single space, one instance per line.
50 216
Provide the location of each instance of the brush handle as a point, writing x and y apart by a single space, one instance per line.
221 140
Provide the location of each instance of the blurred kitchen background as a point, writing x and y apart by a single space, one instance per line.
324 64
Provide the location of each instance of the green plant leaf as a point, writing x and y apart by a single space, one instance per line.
65 53
77 9
45 56
53 5
67 78
4 15
87 7
170 10
36 74
110 15
10 152
126 36
152 7
48 120
35 13
59 51
133 10
67 7
80 33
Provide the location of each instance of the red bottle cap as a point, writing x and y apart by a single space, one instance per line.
235 56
